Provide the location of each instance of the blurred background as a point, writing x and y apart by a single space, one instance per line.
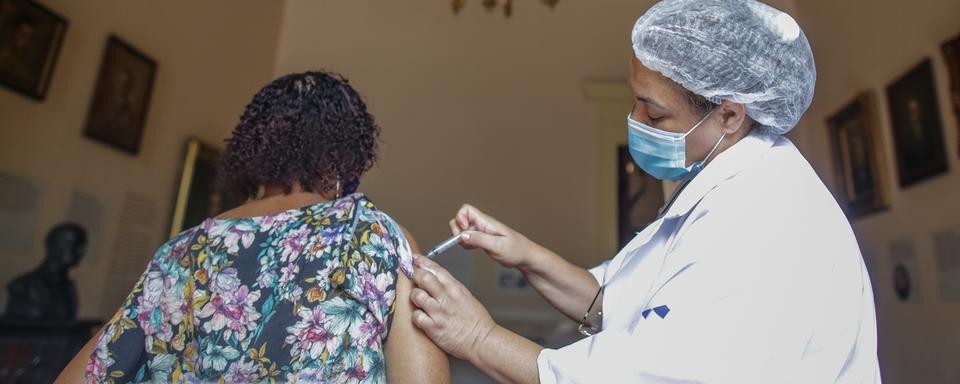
112 114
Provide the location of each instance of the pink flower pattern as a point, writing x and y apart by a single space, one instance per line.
304 295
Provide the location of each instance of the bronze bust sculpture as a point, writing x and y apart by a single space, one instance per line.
47 293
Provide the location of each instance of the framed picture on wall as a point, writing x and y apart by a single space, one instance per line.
905 276
639 197
198 197
951 52
30 40
118 110
917 128
857 148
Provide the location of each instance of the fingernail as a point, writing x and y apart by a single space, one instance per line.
466 236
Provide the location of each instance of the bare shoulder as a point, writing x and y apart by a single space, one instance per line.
413 242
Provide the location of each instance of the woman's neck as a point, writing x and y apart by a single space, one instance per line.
276 199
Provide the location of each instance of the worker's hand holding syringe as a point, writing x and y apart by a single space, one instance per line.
567 287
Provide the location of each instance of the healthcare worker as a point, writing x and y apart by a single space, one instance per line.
751 273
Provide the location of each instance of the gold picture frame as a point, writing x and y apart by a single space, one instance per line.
198 196
858 162
951 53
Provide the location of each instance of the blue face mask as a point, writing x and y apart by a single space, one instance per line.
663 154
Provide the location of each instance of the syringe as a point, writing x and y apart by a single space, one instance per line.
445 245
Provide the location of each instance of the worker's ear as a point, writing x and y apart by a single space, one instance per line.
732 116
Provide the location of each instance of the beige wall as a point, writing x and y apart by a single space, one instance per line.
866 45
480 109
212 56
475 109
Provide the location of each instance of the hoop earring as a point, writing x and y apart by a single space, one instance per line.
339 192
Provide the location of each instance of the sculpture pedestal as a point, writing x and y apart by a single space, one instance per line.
35 351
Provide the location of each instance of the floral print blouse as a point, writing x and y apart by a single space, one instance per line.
305 295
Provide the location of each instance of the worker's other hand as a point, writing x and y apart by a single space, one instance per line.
502 244
447 312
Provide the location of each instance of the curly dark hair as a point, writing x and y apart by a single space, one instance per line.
309 128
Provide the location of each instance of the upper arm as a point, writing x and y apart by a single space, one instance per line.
122 345
411 356
76 369
410 240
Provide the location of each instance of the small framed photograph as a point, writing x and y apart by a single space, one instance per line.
951 52
858 164
917 128
905 277
30 39
121 97
639 197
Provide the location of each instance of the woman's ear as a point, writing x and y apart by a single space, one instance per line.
732 116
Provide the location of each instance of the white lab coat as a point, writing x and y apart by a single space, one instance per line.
751 275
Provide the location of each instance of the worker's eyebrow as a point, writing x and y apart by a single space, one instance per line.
647 100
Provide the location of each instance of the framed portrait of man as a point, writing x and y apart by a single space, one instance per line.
858 165
951 52
639 197
121 98
30 40
917 127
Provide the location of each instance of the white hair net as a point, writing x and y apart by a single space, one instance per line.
738 50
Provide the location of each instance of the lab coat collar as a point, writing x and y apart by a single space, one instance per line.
725 166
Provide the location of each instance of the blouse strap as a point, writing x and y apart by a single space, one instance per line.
357 205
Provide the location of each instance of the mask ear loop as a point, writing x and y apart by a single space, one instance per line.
703 163
697 125
706 159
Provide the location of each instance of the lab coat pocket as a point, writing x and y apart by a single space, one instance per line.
662 297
